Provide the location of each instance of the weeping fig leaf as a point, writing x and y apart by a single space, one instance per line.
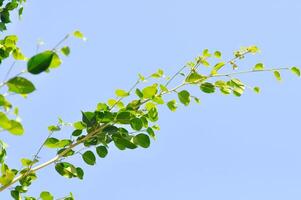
258 66
217 67
207 87
150 91
65 50
79 35
121 93
89 158
16 128
194 77
296 71
142 140
20 85
40 62
217 54
136 124
256 89
56 61
277 75
101 151
172 105
184 97
46 196
67 170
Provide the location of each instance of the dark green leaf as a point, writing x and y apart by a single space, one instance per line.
89 158
142 140
40 62
207 87
101 151
172 105
136 124
184 97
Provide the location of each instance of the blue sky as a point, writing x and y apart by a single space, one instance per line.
226 148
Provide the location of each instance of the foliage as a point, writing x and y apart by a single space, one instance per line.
127 121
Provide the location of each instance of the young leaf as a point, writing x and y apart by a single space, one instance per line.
256 90
79 35
150 91
277 75
121 93
296 71
46 196
218 54
258 66
65 50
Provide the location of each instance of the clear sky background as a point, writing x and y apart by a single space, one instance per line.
226 148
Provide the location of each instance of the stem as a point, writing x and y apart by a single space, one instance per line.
174 76
54 159
248 71
60 42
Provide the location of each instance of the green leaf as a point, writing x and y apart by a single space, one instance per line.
79 125
296 71
136 124
65 50
18 55
123 117
79 173
40 62
102 151
172 105
207 87
238 91
142 140
121 93
256 90
258 66
158 74
79 35
89 158
217 67
16 128
184 97
55 62
151 132
194 77
53 128
46 196
139 93
150 91
218 54
66 169
4 121
20 85
277 75
89 118
153 114
123 143
55 143
76 133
